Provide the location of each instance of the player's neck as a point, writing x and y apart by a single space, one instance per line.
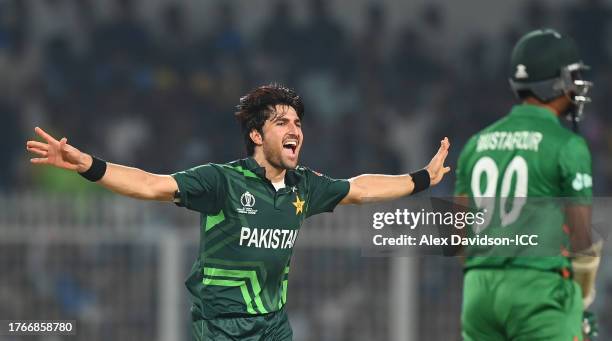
273 174
556 106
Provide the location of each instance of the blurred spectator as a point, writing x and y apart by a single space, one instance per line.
61 68
536 15
278 45
323 41
503 49
412 65
9 132
371 52
14 25
115 90
166 104
19 64
279 33
589 25
225 41
175 42
411 126
223 54
434 33
123 37
57 20
476 57
85 19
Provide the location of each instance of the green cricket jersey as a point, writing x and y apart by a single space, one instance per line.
248 230
518 161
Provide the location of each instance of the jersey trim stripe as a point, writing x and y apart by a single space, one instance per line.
245 275
214 220
240 169
231 283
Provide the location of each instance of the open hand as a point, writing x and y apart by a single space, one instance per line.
57 153
436 166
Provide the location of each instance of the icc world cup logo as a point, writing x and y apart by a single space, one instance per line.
247 199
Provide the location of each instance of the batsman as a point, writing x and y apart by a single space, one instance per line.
525 157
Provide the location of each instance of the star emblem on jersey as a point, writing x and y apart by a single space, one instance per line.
299 205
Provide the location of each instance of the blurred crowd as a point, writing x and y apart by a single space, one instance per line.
91 284
376 100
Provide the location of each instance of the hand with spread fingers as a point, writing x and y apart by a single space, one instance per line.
436 168
57 153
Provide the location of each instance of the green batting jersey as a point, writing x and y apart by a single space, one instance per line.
248 230
515 170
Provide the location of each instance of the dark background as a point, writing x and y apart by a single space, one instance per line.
154 84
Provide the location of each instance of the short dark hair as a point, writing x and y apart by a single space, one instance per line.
257 106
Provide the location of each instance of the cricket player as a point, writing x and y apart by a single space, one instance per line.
530 154
251 211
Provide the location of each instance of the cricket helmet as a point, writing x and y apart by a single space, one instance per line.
546 64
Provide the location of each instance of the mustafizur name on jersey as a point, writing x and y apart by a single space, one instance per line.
514 169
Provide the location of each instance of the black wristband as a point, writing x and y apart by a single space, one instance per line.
421 180
96 171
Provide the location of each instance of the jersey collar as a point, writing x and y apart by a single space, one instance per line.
531 110
292 178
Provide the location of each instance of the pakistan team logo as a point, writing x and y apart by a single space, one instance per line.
248 201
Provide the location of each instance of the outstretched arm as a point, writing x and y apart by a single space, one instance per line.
375 187
128 181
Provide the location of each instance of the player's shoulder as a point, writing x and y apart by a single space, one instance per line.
309 172
503 124
563 139
303 170
212 166
542 120
311 176
470 145
549 129
572 136
220 170
575 143
235 164
495 126
306 173
207 170
243 167
562 134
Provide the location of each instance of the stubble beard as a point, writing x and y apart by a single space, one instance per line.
275 159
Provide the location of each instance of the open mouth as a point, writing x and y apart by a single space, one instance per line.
290 145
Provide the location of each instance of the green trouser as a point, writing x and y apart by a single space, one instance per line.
520 304
269 327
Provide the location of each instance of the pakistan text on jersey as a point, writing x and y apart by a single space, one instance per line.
268 238
509 140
